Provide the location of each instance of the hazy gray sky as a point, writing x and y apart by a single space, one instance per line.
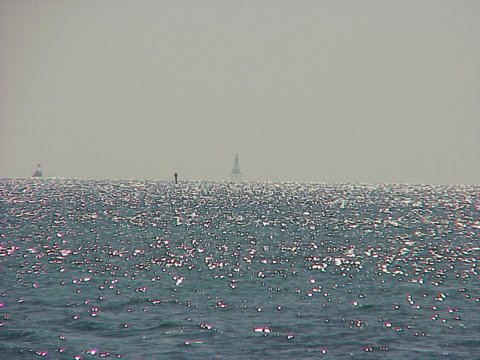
326 91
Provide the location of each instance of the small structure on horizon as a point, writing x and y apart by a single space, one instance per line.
175 176
38 172
236 174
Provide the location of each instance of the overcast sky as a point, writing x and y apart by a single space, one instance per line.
323 91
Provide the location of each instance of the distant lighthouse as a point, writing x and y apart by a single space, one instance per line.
236 174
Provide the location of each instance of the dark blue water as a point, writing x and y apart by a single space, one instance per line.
154 270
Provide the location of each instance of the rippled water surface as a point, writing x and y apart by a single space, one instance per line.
153 270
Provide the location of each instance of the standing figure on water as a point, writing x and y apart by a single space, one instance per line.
176 178
37 172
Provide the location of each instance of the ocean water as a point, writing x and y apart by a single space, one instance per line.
207 270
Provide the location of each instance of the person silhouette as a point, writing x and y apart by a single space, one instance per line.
176 178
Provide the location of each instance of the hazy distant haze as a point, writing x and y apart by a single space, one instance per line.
327 91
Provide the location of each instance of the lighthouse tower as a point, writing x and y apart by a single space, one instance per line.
236 174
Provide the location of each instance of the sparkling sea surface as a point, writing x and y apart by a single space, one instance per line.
218 270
